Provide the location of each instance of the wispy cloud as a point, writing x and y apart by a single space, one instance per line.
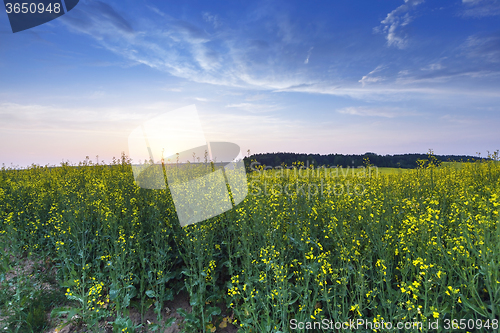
256 97
481 8
402 88
449 74
186 50
369 78
254 107
483 47
308 55
459 119
213 19
55 118
395 20
385 112
95 18
240 128
478 57
432 67
237 56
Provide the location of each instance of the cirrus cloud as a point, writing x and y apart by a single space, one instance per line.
394 21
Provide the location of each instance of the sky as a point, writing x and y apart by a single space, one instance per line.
323 77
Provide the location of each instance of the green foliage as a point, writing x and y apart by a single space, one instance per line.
419 245
25 303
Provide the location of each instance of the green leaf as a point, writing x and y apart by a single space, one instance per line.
69 312
69 283
193 302
151 294
154 327
113 294
126 301
169 322
166 278
75 298
168 295
182 312
57 312
213 311
133 291
212 298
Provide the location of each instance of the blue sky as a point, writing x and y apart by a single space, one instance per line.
388 76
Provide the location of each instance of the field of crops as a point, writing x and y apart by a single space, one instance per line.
320 246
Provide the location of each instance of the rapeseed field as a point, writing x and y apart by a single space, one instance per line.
316 250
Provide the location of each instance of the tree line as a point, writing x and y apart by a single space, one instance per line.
406 161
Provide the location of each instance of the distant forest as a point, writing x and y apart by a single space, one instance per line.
407 161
